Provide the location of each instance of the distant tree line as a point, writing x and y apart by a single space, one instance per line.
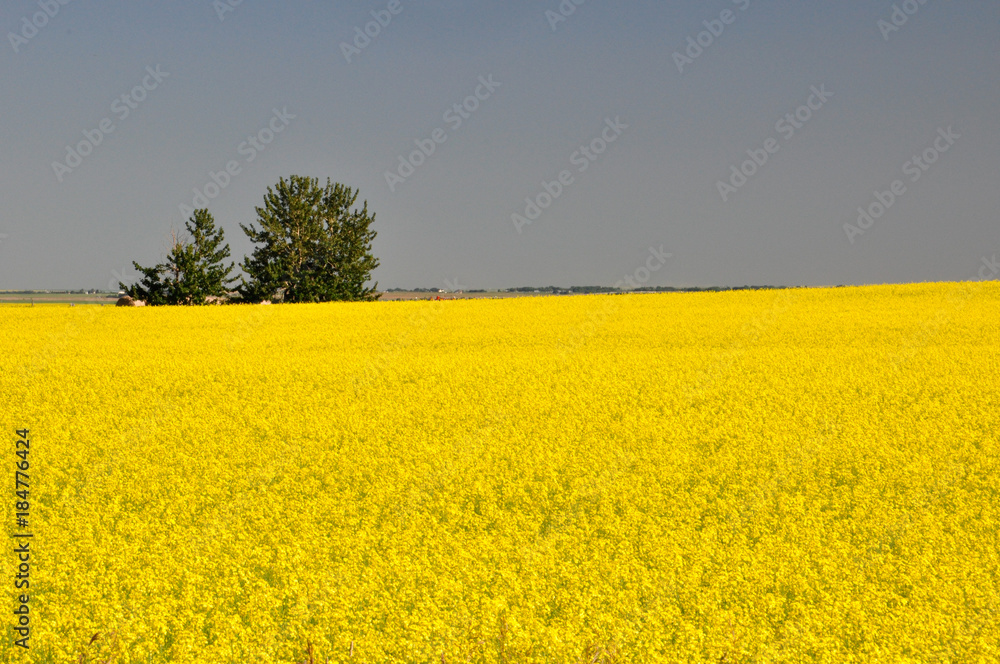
311 245
576 290
701 289
563 291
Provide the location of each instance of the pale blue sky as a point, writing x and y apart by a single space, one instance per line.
656 184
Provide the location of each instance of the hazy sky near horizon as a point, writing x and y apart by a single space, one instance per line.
737 136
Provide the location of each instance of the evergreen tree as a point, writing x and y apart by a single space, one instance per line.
197 268
312 247
194 270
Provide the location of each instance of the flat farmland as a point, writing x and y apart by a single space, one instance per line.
804 475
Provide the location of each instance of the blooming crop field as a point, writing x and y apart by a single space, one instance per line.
755 476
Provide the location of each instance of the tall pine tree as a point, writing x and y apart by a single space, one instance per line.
311 246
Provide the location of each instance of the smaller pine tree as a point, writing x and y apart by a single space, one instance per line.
194 271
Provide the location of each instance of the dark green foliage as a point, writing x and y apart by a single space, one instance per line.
311 247
151 289
199 268
194 270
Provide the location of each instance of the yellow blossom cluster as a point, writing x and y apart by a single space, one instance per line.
800 475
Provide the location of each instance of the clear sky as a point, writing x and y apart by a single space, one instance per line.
648 129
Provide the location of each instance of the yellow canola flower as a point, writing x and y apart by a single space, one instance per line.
807 475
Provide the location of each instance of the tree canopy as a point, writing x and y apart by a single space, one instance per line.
311 246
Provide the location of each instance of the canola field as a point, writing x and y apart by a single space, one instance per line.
803 475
